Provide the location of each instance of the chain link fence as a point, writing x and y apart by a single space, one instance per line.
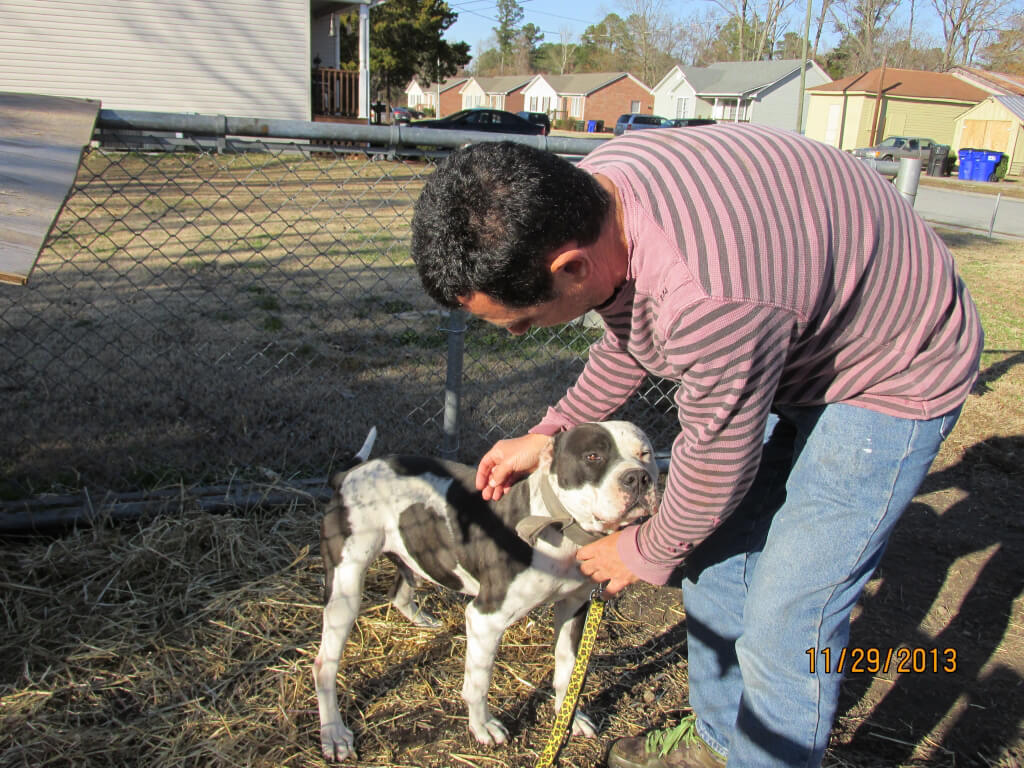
226 310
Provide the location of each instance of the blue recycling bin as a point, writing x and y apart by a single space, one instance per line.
985 163
591 126
965 163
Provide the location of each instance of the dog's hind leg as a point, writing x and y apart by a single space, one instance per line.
403 596
483 634
345 590
569 617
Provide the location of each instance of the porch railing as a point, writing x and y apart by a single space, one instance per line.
335 93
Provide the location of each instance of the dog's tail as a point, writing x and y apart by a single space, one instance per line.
361 455
364 452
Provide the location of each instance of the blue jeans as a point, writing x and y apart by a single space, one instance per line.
778 581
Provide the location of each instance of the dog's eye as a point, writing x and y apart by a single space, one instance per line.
594 457
645 456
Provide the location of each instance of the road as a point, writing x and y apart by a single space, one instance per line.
971 210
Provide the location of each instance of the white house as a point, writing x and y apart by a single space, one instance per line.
500 92
245 58
764 92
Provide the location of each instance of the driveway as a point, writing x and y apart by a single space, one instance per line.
972 210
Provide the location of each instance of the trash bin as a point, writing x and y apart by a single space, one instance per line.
579 126
938 159
600 126
985 163
965 163
591 126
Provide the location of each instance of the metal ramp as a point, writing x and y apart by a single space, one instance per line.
41 143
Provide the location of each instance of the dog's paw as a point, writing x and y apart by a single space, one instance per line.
337 743
424 619
582 725
491 732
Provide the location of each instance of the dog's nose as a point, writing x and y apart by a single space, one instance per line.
635 482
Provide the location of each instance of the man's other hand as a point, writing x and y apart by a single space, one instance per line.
506 462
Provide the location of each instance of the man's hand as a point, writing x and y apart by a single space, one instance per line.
506 462
601 562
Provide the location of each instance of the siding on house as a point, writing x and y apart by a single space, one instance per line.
838 121
776 105
919 118
230 57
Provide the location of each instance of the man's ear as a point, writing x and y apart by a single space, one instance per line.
570 262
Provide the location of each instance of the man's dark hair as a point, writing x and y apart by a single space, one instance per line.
491 213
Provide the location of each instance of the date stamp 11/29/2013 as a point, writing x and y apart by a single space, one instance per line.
901 660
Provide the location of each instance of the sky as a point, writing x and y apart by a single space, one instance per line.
477 18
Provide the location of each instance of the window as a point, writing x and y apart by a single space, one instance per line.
734 110
681 108
576 106
634 106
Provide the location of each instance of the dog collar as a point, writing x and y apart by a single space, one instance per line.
530 528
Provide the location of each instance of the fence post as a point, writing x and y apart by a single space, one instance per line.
456 331
908 178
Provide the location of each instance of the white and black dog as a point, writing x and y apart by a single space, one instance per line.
510 555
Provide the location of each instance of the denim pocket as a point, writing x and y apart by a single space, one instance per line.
948 422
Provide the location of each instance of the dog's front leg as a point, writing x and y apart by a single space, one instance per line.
569 617
483 634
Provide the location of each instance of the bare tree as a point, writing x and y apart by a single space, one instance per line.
967 23
822 15
695 37
769 13
862 23
565 40
737 9
651 32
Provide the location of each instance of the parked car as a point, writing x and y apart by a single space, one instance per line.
404 114
539 118
492 120
896 147
634 121
684 122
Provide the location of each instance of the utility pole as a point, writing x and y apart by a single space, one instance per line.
803 71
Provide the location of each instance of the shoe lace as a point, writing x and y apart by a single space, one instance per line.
664 740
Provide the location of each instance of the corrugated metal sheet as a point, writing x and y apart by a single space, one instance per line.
232 57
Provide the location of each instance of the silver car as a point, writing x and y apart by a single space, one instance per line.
897 147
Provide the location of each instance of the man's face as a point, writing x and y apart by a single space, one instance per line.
559 310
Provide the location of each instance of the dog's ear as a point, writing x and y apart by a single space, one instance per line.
547 454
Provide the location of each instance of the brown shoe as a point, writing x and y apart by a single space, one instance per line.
678 747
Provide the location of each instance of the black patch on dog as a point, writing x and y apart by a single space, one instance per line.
335 527
469 532
583 455
425 534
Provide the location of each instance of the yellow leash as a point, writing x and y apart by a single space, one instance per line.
563 719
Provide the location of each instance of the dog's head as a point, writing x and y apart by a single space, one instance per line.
603 474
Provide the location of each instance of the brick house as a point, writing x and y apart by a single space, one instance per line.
597 96
421 95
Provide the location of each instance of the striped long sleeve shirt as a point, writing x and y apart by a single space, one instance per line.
763 268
